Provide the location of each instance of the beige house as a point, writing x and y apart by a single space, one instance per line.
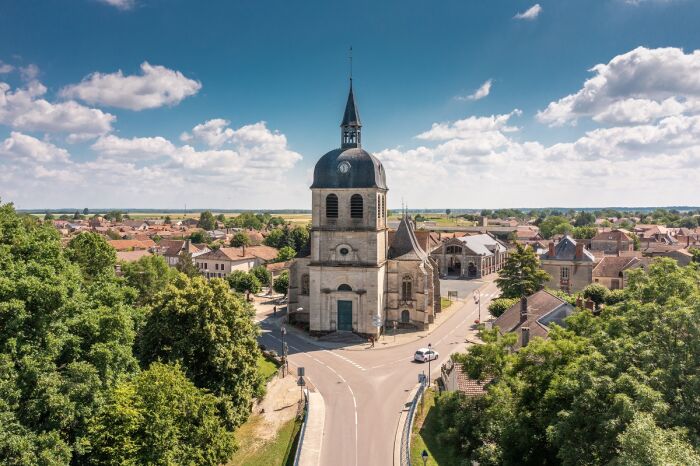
221 262
611 271
350 279
473 256
569 265
612 242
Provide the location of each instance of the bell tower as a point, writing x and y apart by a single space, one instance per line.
351 127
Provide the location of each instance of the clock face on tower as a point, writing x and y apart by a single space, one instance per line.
343 167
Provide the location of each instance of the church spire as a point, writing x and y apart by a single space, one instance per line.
350 127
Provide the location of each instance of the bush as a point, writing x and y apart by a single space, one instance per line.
615 296
596 293
501 305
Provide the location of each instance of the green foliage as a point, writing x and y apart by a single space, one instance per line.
285 254
281 283
199 237
554 224
521 274
206 221
49 216
92 253
596 293
263 275
296 238
584 232
210 331
500 305
696 254
240 239
620 388
185 264
159 417
167 220
244 282
276 238
149 275
583 219
114 215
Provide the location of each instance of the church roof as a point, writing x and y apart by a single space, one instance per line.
365 170
351 117
405 244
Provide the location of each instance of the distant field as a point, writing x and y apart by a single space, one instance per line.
291 218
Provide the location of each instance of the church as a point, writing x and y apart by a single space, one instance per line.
351 279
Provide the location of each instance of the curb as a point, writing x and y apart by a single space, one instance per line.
311 436
402 421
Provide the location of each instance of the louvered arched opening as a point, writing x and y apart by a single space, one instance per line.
332 206
356 206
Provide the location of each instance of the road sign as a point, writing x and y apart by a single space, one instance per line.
377 321
301 382
300 371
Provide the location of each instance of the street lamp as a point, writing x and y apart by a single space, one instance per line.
283 330
424 456
430 358
477 300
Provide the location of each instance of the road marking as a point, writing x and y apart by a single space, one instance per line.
348 360
354 402
391 363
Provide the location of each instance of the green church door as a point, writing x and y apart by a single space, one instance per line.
345 315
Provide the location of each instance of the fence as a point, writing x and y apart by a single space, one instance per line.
408 427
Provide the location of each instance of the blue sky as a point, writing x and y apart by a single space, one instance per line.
285 64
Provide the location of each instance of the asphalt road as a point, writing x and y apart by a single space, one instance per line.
366 390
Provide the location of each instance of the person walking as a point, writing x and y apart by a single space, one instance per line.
274 311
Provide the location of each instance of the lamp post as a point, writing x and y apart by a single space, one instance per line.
477 300
285 364
430 358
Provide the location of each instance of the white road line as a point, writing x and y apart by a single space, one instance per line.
350 361
354 402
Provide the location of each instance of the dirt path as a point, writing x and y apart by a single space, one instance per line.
279 405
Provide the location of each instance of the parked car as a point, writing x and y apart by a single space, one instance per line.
425 355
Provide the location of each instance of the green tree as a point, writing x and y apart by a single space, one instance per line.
281 283
92 253
167 220
210 331
86 211
221 218
584 232
285 254
554 224
521 274
185 264
159 417
583 219
149 275
263 275
199 237
240 239
206 220
596 293
48 216
244 282
276 238
500 305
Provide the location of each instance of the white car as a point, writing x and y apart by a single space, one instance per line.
425 355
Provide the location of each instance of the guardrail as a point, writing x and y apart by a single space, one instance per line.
405 459
300 443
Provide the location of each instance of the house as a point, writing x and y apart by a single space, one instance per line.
171 250
533 316
138 225
221 262
472 256
612 242
131 244
611 270
569 265
454 379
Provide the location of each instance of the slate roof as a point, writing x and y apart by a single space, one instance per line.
366 170
265 253
351 117
404 244
483 244
612 266
543 308
565 250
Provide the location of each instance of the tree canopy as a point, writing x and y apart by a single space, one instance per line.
206 221
521 274
618 388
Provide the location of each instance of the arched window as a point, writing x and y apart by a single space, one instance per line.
407 288
356 206
454 250
305 284
332 206
344 287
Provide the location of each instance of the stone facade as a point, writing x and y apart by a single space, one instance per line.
470 256
569 265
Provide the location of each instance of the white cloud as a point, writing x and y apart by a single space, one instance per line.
483 91
23 109
155 87
470 127
120 4
639 86
29 72
5 68
213 133
530 14
22 147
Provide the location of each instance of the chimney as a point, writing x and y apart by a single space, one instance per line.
579 302
187 245
590 305
523 309
579 250
524 336
551 250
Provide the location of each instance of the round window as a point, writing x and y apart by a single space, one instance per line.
344 251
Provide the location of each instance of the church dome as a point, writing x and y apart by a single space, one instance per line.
349 168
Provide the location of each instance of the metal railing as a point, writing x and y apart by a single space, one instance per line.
408 427
300 443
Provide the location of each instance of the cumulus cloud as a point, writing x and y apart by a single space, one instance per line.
24 109
155 87
213 133
120 4
639 86
470 126
531 13
22 147
483 91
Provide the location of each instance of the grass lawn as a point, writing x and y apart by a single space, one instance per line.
445 303
277 452
424 437
267 369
